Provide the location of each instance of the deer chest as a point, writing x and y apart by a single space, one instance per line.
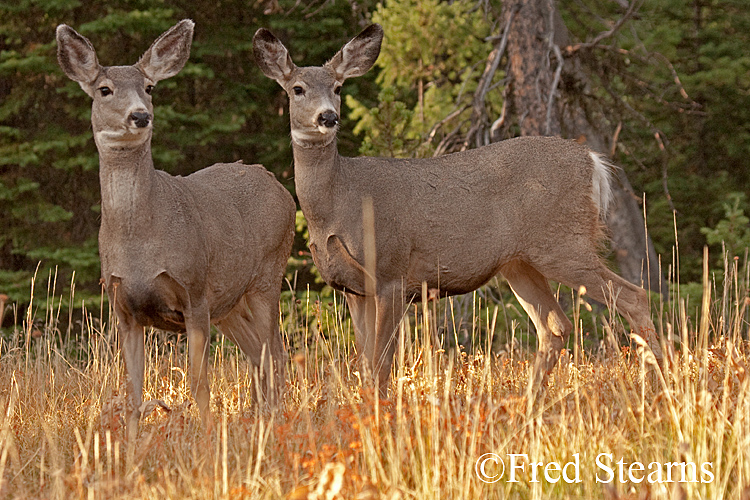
337 266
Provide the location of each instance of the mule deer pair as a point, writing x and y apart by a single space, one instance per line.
181 253
529 208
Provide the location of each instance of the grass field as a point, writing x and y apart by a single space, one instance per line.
608 426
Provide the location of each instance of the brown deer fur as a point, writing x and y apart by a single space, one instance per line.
180 253
529 208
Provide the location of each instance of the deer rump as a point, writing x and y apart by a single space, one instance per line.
536 198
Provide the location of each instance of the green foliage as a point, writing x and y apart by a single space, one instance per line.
733 231
703 121
387 127
220 108
429 40
15 284
432 56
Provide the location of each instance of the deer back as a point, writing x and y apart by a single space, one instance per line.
524 198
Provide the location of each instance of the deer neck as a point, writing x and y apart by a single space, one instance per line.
317 169
126 177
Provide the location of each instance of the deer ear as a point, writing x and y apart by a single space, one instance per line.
169 53
77 58
271 56
358 56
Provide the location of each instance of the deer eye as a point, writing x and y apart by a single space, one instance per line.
149 89
337 90
105 91
298 90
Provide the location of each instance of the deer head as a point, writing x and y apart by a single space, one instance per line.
315 92
122 112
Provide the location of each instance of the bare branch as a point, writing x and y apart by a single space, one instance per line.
497 124
309 6
690 107
615 137
553 87
436 127
664 164
659 136
632 8
446 144
675 76
478 114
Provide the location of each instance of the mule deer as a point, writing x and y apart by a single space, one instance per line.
180 253
529 208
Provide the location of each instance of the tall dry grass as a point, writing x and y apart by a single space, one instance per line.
62 428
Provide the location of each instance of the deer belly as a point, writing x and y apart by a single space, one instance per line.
449 275
461 287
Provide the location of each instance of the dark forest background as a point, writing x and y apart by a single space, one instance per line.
665 84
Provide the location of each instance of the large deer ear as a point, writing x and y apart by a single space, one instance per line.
77 58
272 57
358 56
169 53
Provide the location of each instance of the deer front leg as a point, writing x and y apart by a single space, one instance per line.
552 326
375 320
362 310
197 324
133 352
269 356
389 308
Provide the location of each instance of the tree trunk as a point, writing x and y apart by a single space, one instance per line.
544 107
531 75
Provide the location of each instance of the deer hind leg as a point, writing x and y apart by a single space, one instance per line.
253 325
631 301
553 327
606 287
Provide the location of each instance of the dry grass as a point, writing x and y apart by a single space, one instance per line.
62 436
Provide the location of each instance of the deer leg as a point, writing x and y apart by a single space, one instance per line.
253 325
270 358
197 324
631 301
552 326
133 351
375 321
363 311
389 310
604 286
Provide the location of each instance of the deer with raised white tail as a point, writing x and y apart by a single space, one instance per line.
181 253
530 208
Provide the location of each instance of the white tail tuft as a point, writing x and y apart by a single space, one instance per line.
602 187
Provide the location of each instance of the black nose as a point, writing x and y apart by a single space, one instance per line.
140 119
328 119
